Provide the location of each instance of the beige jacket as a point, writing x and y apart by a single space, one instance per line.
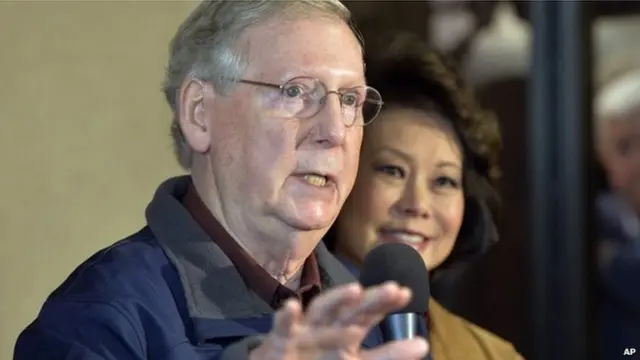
453 338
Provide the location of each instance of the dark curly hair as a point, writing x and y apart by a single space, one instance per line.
408 73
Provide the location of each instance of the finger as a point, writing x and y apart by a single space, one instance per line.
376 304
398 350
286 318
328 339
325 308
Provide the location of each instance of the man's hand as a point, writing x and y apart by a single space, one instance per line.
335 325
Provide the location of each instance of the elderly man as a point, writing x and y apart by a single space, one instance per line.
618 144
268 100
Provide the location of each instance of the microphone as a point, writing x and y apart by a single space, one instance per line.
404 265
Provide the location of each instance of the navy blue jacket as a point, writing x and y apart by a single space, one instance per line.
619 325
167 292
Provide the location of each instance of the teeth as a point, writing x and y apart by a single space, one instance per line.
408 238
315 180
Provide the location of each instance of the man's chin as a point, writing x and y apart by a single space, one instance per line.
308 224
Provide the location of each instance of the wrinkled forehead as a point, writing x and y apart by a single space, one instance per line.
317 46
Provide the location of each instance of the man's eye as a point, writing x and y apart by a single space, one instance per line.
350 100
626 147
294 91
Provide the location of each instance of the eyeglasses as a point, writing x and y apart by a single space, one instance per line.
304 97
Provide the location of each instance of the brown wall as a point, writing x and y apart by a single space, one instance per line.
402 15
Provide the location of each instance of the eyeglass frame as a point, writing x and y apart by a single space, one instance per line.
322 103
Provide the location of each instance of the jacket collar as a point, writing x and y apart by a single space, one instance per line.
213 289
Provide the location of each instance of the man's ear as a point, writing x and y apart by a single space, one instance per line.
192 115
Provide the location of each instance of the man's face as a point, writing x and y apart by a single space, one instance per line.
259 156
620 153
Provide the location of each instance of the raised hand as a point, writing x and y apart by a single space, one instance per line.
335 325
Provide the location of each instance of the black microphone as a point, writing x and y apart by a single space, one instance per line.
404 265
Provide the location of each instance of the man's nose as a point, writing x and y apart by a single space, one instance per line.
330 124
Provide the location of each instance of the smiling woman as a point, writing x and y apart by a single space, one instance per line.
426 178
409 187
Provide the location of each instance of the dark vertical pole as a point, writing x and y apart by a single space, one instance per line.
559 150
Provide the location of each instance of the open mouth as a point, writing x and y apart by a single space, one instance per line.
403 236
318 179
315 179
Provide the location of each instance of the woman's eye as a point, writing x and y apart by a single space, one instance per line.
447 182
391 170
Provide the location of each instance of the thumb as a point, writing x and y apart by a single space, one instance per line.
286 318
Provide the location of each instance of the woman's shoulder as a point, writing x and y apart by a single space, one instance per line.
453 337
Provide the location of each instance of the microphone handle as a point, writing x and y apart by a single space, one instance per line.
404 326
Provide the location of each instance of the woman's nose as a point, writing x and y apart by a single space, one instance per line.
415 202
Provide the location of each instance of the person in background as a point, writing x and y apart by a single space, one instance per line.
617 139
269 100
426 178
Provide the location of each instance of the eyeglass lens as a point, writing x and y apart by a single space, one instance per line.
304 97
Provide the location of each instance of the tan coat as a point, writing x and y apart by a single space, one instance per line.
453 338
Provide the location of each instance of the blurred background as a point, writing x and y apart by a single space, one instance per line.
84 140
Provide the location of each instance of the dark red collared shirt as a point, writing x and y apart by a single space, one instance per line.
254 275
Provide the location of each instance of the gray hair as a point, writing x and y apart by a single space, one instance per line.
617 98
204 47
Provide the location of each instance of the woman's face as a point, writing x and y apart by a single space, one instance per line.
408 189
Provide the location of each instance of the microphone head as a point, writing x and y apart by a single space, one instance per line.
400 263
